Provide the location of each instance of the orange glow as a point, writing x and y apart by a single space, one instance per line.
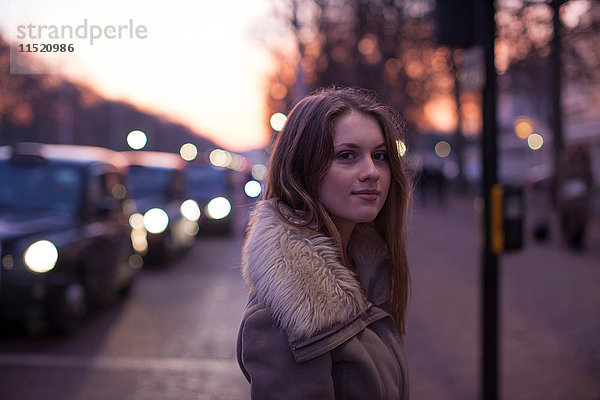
523 127
369 48
368 44
440 114
414 69
278 91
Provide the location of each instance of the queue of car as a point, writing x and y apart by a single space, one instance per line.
77 223
64 234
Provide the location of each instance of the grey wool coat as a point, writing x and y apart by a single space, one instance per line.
312 328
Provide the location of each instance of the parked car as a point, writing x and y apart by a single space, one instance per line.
212 188
164 220
64 238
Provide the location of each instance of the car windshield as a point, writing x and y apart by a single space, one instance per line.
206 182
146 182
40 186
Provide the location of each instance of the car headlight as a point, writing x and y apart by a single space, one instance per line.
41 256
136 221
190 210
156 220
218 208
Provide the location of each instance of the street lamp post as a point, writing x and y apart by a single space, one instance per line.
489 274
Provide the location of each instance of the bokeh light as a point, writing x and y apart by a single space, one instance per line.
41 256
535 141
278 121
442 149
137 139
136 221
252 188
259 172
119 191
218 208
523 127
219 158
156 220
188 151
139 240
190 210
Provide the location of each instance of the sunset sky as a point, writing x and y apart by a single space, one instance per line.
197 62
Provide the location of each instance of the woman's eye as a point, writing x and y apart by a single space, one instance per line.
345 155
380 156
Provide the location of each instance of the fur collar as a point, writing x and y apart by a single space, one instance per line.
298 274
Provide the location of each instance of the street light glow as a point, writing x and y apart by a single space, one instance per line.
535 141
523 127
188 152
136 139
278 121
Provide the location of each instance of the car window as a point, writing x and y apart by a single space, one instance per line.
143 182
40 186
101 198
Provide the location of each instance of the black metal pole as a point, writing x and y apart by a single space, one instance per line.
489 275
555 66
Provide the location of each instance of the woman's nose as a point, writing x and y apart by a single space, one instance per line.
368 170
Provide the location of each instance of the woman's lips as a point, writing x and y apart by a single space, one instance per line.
366 195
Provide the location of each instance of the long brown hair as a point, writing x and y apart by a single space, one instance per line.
302 154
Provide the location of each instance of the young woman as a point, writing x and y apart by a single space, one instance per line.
325 257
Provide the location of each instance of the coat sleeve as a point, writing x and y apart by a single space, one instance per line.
269 365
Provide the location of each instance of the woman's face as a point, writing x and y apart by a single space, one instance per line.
356 184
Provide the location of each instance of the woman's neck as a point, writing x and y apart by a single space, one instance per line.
345 229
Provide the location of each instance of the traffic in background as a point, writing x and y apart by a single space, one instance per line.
79 223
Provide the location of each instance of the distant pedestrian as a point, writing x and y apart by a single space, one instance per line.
573 190
325 257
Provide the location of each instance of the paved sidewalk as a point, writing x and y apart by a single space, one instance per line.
549 310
